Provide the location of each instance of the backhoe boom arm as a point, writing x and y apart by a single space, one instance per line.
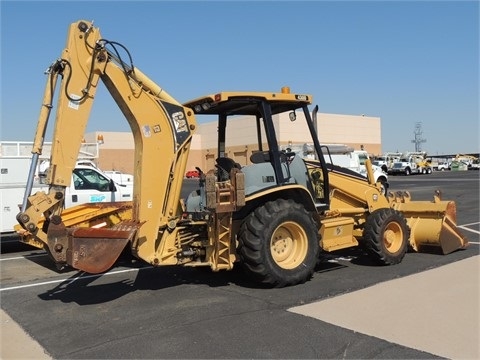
162 131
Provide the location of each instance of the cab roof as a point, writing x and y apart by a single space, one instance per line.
245 103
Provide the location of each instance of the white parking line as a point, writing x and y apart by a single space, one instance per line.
23 257
463 227
69 281
475 223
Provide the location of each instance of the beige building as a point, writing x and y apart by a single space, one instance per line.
115 150
358 131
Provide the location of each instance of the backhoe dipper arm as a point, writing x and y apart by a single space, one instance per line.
77 91
162 130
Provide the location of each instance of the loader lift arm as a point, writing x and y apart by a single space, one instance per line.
162 130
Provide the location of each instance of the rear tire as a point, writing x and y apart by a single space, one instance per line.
279 243
383 186
386 235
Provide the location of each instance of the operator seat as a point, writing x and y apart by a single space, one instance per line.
225 165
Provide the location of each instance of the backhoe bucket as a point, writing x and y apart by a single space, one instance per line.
432 224
88 237
96 250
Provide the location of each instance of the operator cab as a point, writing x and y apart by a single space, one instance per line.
271 165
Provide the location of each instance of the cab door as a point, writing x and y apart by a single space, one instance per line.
90 186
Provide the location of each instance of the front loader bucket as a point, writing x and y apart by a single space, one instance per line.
432 224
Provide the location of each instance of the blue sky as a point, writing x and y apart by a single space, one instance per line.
403 61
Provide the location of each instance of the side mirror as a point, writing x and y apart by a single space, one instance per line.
111 186
293 116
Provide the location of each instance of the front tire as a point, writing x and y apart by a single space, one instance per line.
279 244
386 235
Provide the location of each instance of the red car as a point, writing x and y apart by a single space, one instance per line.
192 174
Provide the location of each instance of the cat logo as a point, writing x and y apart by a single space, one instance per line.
302 97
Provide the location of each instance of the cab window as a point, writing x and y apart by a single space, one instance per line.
362 158
88 179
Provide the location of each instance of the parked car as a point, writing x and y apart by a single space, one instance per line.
192 174
442 166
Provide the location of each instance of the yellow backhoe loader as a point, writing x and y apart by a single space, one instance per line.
273 216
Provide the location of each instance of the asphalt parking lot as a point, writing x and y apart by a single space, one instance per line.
426 307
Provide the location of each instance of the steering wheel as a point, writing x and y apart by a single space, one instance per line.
288 155
78 184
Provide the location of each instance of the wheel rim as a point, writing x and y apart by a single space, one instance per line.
289 245
393 237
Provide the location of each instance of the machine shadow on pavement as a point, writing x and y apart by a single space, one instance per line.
85 289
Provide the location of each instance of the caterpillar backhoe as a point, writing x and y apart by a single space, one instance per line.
273 216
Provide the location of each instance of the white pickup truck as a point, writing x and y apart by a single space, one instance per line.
88 184
442 166
344 156
355 160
